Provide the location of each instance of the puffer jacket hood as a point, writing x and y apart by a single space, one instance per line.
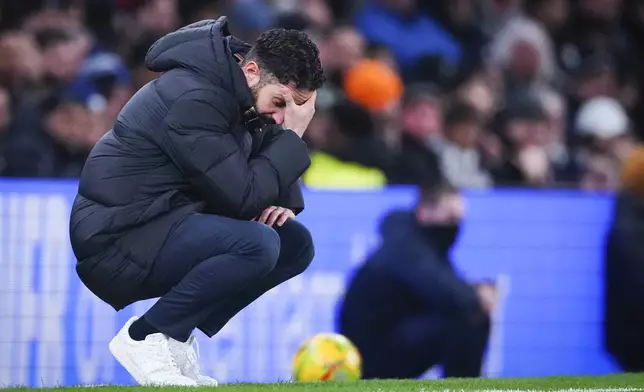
208 49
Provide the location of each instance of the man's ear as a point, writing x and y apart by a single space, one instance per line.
252 72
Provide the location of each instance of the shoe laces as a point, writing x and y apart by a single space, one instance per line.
192 354
164 362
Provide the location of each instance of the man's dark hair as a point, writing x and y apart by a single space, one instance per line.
461 113
290 56
432 192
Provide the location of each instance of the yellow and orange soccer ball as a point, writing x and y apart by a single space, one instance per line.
327 357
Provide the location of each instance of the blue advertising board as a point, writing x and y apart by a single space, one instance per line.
543 247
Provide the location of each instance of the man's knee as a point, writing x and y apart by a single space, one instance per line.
297 245
262 246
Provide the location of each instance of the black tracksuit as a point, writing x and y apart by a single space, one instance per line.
406 310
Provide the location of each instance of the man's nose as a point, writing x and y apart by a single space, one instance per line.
278 117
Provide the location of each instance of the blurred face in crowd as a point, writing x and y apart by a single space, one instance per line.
554 13
20 59
617 147
63 59
73 125
464 134
269 93
158 16
600 84
422 119
461 12
477 93
68 123
346 48
317 12
601 174
527 132
524 61
534 164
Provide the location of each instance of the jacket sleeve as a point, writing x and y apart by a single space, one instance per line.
293 199
200 142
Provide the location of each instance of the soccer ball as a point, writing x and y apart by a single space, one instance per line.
326 357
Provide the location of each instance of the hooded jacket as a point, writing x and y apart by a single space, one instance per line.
182 144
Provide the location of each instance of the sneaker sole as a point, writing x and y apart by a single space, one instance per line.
121 356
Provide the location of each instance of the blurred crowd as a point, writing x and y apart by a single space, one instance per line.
475 93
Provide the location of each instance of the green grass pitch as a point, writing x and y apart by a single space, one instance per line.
614 383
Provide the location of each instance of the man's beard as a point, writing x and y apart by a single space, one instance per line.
263 117
255 91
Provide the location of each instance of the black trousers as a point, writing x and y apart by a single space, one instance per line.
420 342
212 267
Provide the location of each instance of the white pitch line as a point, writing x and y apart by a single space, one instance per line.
534 390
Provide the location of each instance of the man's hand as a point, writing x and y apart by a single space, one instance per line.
487 296
275 215
298 117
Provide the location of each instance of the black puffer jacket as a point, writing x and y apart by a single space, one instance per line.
180 145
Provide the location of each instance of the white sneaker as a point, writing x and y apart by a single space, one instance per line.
186 356
149 361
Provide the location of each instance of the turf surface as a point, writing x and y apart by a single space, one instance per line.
615 383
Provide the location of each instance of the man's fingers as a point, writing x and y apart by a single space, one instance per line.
311 101
288 214
266 213
288 97
274 216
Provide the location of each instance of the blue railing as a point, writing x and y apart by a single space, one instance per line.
545 249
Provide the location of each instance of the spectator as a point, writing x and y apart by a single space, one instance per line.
600 174
525 47
346 49
478 91
405 308
21 63
415 160
58 146
603 125
460 160
524 129
595 77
